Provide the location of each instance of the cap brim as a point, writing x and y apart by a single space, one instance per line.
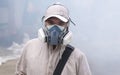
57 16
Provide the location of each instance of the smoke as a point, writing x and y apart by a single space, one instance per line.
96 32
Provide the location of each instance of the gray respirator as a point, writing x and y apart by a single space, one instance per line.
55 35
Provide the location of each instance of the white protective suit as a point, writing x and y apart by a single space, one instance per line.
38 59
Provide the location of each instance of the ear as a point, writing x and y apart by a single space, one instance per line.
72 21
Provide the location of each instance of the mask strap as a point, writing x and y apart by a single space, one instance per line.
72 22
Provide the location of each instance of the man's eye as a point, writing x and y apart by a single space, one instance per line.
61 23
50 22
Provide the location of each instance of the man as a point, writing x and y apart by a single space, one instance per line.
41 55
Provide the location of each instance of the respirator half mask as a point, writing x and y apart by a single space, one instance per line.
55 35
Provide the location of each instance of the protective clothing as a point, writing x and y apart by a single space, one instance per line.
38 59
55 35
66 39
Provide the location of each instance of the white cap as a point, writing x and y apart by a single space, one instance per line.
58 11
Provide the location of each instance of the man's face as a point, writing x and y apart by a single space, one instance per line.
55 21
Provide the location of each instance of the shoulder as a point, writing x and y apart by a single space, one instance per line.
78 54
33 47
36 42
